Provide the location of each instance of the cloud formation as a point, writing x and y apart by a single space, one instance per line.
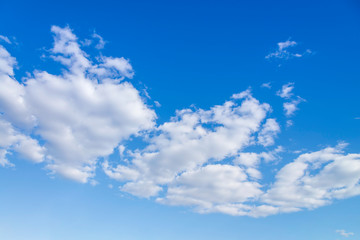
81 115
5 39
211 160
292 102
283 51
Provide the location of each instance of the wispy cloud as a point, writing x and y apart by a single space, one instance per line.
292 102
5 39
266 85
283 51
286 90
344 233
291 107
101 42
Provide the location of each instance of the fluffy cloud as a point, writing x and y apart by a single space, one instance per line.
211 187
10 139
315 179
312 180
196 137
269 130
211 160
81 115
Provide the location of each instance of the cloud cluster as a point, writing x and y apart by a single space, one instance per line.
80 115
290 106
282 52
212 160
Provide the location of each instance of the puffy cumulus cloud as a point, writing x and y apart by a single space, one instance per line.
193 138
12 140
199 159
12 104
315 179
282 52
212 188
211 160
80 115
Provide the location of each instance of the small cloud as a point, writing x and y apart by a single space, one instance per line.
283 52
93 182
357 118
298 151
283 45
86 42
286 90
291 107
157 104
146 93
289 123
344 233
266 85
101 43
5 39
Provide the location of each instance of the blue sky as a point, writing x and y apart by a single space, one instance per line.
179 120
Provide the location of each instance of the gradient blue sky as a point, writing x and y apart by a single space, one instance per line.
184 55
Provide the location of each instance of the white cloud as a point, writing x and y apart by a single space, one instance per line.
7 62
286 90
269 130
315 179
157 104
291 105
210 160
5 39
211 187
3 159
266 85
289 123
101 43
344 233
141 188
312 180
194 138
252 159
81 116
12 140
282 51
